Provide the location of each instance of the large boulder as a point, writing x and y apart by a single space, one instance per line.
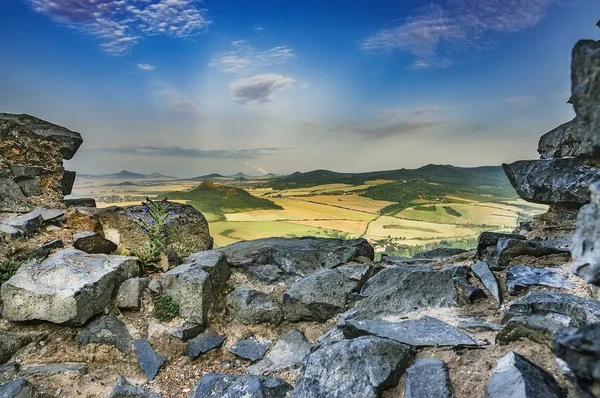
252 307
563 141
586 240
68 287
230 386
428 378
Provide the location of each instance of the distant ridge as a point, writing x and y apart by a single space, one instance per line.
126 175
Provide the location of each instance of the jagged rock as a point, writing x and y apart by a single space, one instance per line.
580 349
129 293
563 141
552 181
252 348
422 332
124 389
586 240
468 293
580 310
68 287
439 253
12 199
21 388
150 361
390 277
80 202
9 233
334 334
509 249
359 273
107 329
230 386
53 369
252 307
186 230
428 378
318 297
187 331
538 328
11 342
42 252
363 367
287 259
203 343
155 286
289 352
404 260
8 372
28 224
213 262
194 285
487 278
516 377
519 277
93 243
490 240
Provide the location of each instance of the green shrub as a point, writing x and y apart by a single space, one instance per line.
165 308
7 269
452 212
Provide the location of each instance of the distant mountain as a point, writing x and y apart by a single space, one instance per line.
122 184
210 177
243 175
126 175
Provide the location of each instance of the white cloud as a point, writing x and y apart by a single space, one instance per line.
120 24
177 100
521 101
391 113
244 56
146 67
259 88
436 32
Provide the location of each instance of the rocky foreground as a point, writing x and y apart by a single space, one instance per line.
518 316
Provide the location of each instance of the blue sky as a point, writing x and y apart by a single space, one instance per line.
188 87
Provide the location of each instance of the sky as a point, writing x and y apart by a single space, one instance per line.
189 87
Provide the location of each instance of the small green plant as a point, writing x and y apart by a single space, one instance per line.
7 269
165 308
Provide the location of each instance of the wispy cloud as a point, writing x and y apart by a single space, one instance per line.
243 56
405 127
146 67
176 151
259 88
391 113
435 33
121 24
176 99
521 101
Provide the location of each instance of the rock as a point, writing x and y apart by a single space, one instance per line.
194 286
252 348
186 230
563 141
107 329
477 325
516 377
80 202
21 388
125 389
28 224
359 273
129 293
288 259
93 243
404 260
422 332
318 297
538 328
53 369
187 331
9 233
288 353
13 199
155 286
428 378
580 310
362 367
586 240
40 253
230 386
252 307
552 181
468 293
509 249
213 262
490 239
67 182
203 343
334 334
390 277
519 277
439 253
580 349
487 278
150 361
68 287
8 372
11 342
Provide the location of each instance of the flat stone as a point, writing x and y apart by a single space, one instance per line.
21 388
390 277
150 361
586 240
487 278
11 342
422 332
439 253
357 272
287 353
563 141
125 389
509 249
517 377
230 386
129 293
93 243
538 328
519 277
252 348
580 310
428 378
252 307
53 369
490 239
28 224
187 331
107 329
8 233
203 343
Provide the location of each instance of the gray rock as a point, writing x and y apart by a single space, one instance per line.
11 342
124 389
53 369
390 277
422 332
31 187
288 259
538 328
336 333
393 260
9 233
252 348
477 325
12 198
8 372
21 388
68 287
362 367
487 278
203 343
468 293
40 253
80 202
129 293
552 181
580 310
29 223
67 182
252 307
509 249
516 377
586 240
519 277
439 253
150 361
490 240
213 262
563 141
230 386
155 286
428 378
107 329
288 353
187 331
318 297
93 243
357 272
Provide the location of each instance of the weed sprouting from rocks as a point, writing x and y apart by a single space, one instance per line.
8 268
165 308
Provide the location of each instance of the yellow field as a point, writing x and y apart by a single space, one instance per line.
471 214
318 190
352 227
103 205
352 202
409 229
